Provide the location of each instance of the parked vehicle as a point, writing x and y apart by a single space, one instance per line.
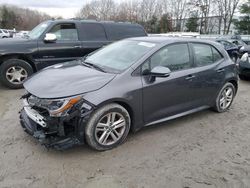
231 48
244 67
11 32
57 41
247 42
125 86
22 34
4 33
242 46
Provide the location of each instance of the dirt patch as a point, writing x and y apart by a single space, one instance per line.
205 149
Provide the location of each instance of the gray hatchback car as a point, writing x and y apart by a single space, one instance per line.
125 86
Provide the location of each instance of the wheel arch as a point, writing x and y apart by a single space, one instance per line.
18 56
125 104
235 83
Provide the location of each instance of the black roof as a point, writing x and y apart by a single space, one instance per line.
92 21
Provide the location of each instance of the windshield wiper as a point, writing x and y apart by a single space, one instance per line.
92 65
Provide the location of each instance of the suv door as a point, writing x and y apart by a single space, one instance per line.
92 36
168 96
209 71
67 47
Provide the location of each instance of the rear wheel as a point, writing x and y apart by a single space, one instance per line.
13 72
108 127
225 97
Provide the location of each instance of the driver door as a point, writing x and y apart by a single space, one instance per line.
163 97
67 47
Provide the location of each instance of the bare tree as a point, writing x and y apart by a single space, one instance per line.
226 11
99 9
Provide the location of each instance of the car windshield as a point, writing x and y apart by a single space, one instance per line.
120 55
38 30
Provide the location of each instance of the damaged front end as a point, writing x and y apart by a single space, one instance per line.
56 123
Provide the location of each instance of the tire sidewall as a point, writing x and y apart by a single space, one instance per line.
94 119
10 63
217 107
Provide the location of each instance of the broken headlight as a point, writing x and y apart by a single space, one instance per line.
56 107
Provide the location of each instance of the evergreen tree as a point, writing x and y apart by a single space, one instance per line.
243 24
192 24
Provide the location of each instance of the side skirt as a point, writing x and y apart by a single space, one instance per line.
178 115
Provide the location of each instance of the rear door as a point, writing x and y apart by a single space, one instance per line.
67 47
92 36
209 72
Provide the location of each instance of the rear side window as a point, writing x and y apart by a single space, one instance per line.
205 54
216 55
121 31
65 32
92 32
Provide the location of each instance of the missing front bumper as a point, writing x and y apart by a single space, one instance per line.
47 137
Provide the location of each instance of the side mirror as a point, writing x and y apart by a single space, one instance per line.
160 71
244 58
50 37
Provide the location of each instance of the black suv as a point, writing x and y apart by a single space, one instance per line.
57 41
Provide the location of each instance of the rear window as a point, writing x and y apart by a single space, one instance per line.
121 31
92 32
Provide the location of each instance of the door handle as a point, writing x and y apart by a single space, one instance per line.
220 70
190 77
77 46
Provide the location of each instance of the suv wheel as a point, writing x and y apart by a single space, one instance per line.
108 127
225 97
13 72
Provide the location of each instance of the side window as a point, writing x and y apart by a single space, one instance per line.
216 55
1 31
175 57
92 32
203 54
65 32
121 31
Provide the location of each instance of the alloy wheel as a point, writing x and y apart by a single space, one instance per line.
226 98
110 128
16 75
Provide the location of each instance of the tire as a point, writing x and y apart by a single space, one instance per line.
94 132
8 67
223 105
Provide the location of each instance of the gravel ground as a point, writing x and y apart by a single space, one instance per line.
205 149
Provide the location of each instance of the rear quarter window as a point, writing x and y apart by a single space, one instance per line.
121 31
92 32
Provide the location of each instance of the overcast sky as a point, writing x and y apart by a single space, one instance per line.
64 8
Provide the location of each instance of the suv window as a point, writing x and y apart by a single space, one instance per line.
92 32
171 57
205 54
121 31
65 32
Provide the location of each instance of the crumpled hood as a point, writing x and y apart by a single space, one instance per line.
65 80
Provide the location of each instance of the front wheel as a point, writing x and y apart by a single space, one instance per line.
13 72
225 97
108 127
